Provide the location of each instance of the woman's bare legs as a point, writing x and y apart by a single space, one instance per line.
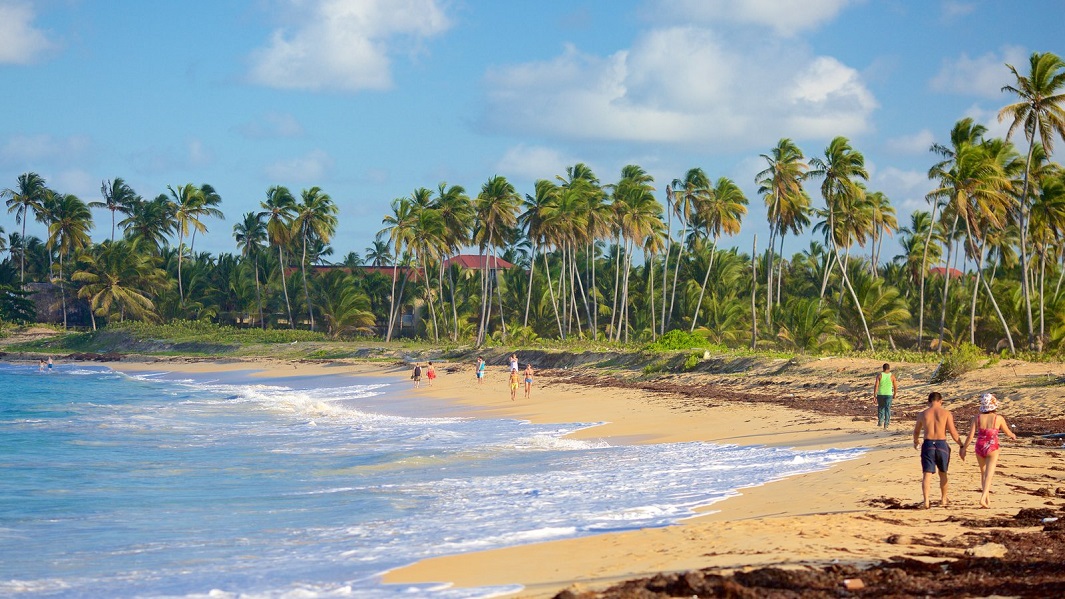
987 472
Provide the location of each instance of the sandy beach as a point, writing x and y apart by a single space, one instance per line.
858 512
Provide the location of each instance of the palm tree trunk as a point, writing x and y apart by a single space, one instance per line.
499 294
780 268
976 293
1042 297
665 262
754 293
676 273
769 269
63 290
1001 318
702 290
258 294
284 286
528 296
593 290
306 290
551 290
1023 226
924 272
180 284
846 279
829 262
391 298
651 292
946 284
454 305
22 248
617 285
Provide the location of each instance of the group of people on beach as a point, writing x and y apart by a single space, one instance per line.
517 376
430 374
936 422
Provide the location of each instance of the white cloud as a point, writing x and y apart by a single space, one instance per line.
980 76
78 182
918 143
953 9
681 85
345 44
271 125
20 41
310 168
531 162
162 160
785 17
989 119
35 149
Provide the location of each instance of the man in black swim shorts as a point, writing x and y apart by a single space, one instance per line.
936 421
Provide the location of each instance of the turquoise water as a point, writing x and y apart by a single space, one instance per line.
160 485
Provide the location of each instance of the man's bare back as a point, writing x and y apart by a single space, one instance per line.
936 421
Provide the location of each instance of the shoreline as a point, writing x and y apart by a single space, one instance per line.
858 512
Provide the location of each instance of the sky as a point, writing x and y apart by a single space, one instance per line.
372 99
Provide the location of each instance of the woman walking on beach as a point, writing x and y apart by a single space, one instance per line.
430 373
528 380
416 376
985 428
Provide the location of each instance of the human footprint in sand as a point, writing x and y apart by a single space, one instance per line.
985 428
936 421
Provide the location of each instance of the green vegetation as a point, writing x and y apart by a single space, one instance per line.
960 360
580 263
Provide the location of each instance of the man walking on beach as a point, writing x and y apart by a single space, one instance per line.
936 421
883 393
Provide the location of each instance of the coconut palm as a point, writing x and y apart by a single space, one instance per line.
149 223
315 217
787 202
119 278
722 211
687 194
379 253
68 232
251 237
535 222
884 224
840 169
29 196
1039 112
279 210
638 215
118 198
184 202
456 216
497 213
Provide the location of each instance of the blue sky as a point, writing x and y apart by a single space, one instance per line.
371 99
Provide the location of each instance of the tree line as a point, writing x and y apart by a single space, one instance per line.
604 261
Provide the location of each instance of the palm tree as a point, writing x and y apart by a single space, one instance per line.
379 253
839 170
1040 111
118 197
723 211
279 209
456 215
315 216
184 202
687 194
119 278
251 236
149 222
29 196
787 202
534 220
497 213
400 229
638 215
884 224
71 221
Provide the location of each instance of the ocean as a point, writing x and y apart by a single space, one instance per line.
228 485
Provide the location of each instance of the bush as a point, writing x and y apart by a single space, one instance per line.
677 340
961 359
692 361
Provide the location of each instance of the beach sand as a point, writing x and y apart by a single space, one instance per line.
858 512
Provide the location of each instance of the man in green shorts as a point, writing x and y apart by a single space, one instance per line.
884 392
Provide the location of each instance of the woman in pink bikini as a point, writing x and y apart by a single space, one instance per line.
984 429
